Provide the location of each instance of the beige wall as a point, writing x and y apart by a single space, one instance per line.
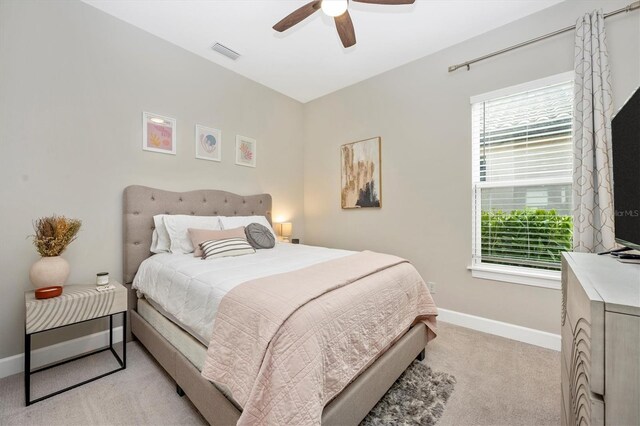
74 82
422 113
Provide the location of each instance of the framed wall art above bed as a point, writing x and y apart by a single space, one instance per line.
246 151
158 133
208 143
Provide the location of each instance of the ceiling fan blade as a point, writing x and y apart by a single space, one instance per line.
386 1
297 16
344 25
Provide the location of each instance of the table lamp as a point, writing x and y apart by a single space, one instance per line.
284 229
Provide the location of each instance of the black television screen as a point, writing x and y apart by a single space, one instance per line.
625 128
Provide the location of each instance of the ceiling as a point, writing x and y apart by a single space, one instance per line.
308 61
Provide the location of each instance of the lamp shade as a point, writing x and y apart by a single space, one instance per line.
287 229
283 229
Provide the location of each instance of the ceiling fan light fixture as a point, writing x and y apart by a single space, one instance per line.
334 7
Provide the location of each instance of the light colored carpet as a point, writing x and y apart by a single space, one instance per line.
499 382
143 394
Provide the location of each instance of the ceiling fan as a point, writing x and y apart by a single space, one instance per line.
338 10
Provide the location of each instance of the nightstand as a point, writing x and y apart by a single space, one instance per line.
78 303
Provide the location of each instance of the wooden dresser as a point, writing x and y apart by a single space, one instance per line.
600 364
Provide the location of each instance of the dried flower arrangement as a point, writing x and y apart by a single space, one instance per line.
54 234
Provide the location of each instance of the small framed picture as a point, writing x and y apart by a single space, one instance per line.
245 151
158 133
208 143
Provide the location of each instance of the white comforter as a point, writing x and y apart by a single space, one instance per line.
190 289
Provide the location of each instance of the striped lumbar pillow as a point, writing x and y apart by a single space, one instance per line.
225 247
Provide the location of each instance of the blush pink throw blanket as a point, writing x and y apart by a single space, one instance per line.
285 345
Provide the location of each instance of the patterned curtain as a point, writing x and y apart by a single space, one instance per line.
592 165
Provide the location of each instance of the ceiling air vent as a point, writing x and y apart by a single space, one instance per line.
224 50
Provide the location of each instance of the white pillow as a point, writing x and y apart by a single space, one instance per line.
160 242
230 222
177 227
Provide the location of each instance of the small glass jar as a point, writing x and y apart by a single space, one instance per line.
102 278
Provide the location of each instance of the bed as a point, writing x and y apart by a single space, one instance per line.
180 348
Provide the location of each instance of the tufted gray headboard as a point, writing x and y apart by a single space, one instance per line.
141 203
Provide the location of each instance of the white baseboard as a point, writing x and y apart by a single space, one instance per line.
502 329
43 356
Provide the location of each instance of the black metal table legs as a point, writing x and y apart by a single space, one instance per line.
27 361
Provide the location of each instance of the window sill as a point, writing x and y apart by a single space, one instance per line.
515 275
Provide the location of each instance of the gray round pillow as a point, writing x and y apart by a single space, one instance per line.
259 236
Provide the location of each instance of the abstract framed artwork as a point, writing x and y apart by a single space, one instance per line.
208 143
361 174
246 152
158 133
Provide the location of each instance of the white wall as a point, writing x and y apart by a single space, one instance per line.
74 82
422 113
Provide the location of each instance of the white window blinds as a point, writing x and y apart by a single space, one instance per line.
522 168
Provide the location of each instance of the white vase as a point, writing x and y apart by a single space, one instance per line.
49 271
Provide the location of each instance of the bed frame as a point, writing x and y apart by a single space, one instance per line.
140 205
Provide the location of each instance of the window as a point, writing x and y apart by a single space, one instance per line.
522 174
